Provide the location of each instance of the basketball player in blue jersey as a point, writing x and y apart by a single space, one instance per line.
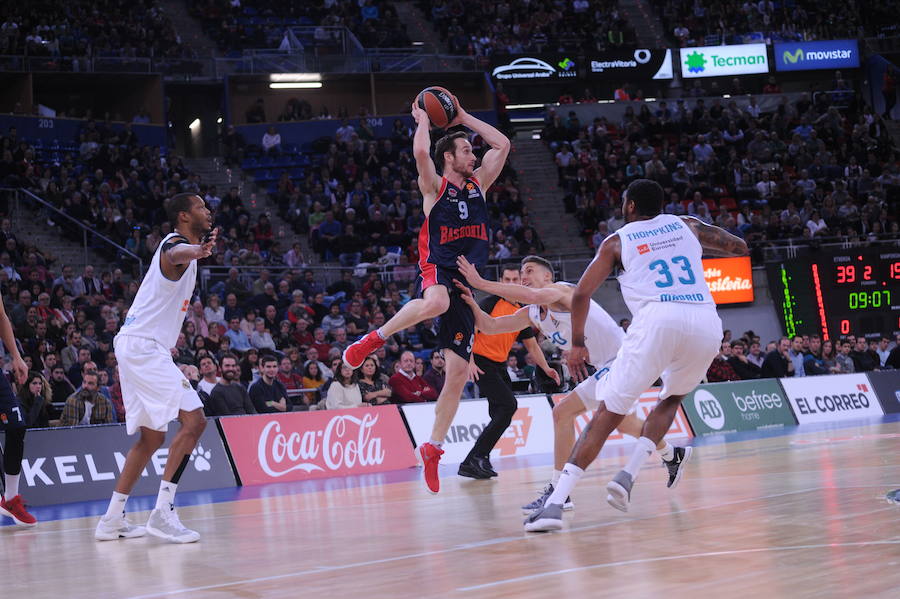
550 313
154 390
456 224
12 422
674 335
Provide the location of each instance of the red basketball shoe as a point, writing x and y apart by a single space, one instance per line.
430 455
360 350
15 509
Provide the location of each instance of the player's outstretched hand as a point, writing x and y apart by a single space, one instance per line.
553 374
465 293
469 271
20 370
577 361
474 371
208 246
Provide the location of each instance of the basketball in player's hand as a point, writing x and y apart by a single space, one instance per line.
438 104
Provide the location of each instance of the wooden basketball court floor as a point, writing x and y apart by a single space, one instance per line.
796 513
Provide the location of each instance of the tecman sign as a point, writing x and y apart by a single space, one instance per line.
724 61
809 56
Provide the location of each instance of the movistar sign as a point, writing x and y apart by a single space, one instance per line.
809 56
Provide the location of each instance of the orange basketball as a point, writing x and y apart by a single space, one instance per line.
437 102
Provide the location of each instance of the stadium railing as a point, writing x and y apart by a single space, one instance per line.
24 206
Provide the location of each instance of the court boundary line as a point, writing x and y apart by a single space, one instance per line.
648 560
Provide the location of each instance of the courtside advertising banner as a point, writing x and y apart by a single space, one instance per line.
737 406
269 448
82 464
530 432
631 65
730 280
886 384
646 403
724 61
832 397
811 56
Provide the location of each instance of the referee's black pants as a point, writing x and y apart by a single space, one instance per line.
497 387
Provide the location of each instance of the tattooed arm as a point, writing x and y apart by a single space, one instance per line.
715 240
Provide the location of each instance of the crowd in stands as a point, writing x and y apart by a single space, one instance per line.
522 26
98 28
702 23
806 171
256 24
803 355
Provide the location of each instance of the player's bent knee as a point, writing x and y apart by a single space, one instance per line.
436 305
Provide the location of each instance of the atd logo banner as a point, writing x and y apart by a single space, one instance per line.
831 397
724 61
530 432
737 406
810 56
646 403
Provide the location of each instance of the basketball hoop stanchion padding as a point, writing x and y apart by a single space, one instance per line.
894 496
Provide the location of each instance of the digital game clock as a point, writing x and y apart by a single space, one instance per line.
837 294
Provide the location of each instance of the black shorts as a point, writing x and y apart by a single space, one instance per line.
11 414
456 326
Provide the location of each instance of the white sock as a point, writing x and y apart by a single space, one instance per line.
667 452
555 479
116 506
645 447
567 481
436 443
166 498
12 486
381 334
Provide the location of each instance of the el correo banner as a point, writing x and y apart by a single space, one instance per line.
832 397
82 464
305 445
631 65
724 61
530 432
730 280
536 68
646 402
810 56
737 406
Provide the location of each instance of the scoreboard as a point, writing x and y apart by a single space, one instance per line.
839 293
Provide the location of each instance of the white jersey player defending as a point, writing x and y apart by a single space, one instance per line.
550 312
154 390
674 335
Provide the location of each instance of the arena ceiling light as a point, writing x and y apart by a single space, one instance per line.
296 85
295 77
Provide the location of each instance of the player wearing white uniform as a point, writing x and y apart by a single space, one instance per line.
550 312
154 390
674 335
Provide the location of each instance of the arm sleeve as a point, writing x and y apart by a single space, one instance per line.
217 402
526 333
248 405
258 399
429 393
401 389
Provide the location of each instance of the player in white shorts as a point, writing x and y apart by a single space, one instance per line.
154 390
549 312
674 335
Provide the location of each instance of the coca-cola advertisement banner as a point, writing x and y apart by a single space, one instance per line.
82 463
530 432
307 445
